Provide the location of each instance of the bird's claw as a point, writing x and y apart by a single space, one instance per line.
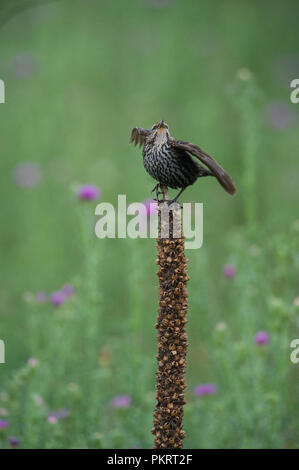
156 188
174 201
168 202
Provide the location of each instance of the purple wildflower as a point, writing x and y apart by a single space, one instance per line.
24 65
33 362
261 338
41 297
52 418
27 175
205 389
121 401
88 192
279 115
57 298
63 413
14 441
67 290
3 424
229 271
55 416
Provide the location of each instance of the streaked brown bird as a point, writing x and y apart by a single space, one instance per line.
169 160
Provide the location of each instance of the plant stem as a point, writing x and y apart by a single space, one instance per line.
172 336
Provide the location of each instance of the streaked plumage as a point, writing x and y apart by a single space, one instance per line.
169 161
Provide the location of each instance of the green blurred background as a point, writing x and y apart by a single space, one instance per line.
79 75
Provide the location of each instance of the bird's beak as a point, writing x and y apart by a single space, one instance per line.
162 125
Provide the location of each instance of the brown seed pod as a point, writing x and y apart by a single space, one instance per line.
172 340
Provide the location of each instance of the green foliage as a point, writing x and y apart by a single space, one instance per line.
94 70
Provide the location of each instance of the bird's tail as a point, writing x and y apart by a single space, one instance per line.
216 170
227 183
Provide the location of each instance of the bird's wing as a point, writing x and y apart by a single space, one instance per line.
139 135
223 178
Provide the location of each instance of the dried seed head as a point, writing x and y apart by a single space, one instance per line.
172 341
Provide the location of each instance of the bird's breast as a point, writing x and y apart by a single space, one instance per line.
155 158
158 161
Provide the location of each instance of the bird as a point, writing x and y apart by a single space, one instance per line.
169 161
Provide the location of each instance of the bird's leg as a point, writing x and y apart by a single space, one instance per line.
177 196
164 190
156 188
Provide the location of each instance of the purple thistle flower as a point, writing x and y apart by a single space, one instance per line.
57 298
52 418
121 401
261 338
55 416
88 192
205 389
41 297
279 115
63 413
14 441
3 424
33 362
27 175
24 65
68 290
229 271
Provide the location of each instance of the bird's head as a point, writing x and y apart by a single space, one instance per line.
160 133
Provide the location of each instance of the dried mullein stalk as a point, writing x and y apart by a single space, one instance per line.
171 332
